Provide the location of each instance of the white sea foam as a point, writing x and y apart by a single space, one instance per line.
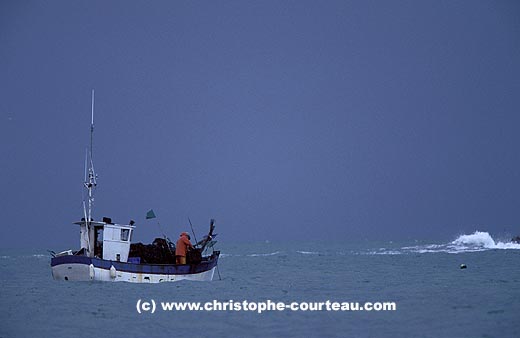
308 252
264 254
386 252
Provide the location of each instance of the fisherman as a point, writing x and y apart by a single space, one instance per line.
181 249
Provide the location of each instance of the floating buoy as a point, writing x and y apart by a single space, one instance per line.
91 271
112 272
463 266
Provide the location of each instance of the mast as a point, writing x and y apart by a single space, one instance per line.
90 179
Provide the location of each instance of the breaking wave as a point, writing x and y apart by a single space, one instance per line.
477 241
482 240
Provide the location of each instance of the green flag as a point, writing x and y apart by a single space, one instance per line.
150 214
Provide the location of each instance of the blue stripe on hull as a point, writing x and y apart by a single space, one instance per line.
163 269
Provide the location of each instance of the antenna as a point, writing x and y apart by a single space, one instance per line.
92 125
92 122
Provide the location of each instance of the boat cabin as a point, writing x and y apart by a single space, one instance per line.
106 240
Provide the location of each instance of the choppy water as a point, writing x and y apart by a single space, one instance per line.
434 297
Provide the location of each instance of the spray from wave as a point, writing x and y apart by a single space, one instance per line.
482 240
477 241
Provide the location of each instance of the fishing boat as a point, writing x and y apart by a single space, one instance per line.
107 254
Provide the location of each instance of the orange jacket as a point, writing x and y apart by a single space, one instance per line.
183 243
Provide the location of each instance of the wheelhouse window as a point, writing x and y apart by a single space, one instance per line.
125 234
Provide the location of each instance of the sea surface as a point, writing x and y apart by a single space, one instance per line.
434 297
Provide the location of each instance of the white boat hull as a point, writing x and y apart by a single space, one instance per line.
81 268
82 272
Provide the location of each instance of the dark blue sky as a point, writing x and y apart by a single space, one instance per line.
345 120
